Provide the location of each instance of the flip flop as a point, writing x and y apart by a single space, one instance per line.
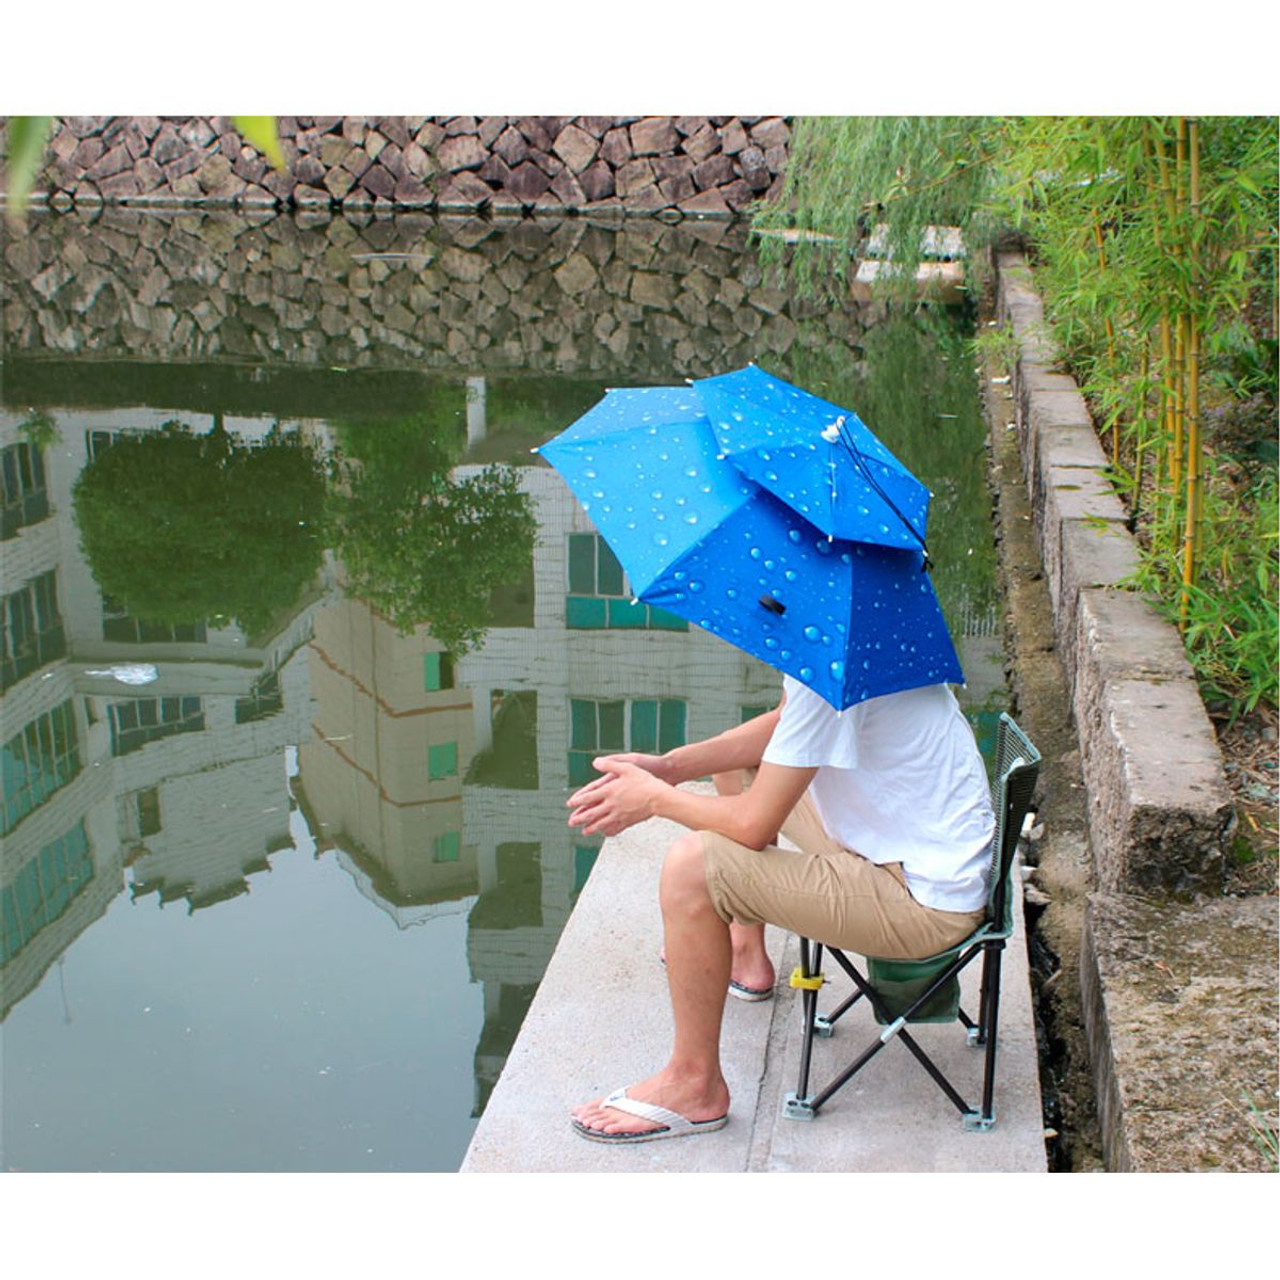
674 1124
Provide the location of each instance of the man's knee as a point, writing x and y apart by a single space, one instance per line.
684 871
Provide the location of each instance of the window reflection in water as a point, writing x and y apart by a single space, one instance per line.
369 660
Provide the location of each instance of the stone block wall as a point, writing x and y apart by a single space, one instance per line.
427 292
674 166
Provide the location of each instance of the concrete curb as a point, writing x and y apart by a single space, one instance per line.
1157 820
1179 996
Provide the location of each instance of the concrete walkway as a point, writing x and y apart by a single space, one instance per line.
601 1019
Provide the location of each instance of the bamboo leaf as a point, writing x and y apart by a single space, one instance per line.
260 131
27 136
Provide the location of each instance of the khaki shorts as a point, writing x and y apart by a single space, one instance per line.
827 893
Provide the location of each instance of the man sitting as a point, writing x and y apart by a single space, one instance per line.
889 807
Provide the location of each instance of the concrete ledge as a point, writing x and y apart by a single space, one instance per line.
1178 996
1159 808
1181 1008
601 1018
1096 554
1069 499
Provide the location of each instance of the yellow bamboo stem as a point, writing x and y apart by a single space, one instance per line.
1167 422
1195 482
1194 479
1111 341
1140 443
1178 447
1172 346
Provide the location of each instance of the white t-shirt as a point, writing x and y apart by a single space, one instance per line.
900 779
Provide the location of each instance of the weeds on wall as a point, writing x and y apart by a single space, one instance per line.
1154 243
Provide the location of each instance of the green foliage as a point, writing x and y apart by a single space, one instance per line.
182 528
260 131
40 429
1264 1132
849 175
998 345
1232 623
420 544
1154 244
27 138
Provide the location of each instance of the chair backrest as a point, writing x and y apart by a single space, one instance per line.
1017 768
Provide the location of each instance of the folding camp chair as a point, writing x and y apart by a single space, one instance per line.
901 992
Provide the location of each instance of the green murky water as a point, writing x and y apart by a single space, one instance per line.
304 649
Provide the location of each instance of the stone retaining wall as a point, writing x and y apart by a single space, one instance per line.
1177 982
425 292
1160 810
674 166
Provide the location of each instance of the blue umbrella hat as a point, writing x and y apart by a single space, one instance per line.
820 459
852 620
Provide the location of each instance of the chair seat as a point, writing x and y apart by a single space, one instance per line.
901 983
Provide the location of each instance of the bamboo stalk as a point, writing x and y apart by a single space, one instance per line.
1167 421
1190 545
1172 342
1140 442
1111 337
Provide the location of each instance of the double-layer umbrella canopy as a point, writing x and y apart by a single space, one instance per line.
820 459
850 618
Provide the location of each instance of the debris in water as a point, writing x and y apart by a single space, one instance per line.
128 672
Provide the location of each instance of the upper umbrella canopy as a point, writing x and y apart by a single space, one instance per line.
852 620
820 459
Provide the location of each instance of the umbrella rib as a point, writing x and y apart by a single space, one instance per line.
860 462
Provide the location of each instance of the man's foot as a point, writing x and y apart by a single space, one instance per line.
699 1107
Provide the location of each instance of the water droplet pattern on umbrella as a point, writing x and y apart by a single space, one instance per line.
822 460
697 538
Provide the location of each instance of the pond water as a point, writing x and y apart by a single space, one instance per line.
304 649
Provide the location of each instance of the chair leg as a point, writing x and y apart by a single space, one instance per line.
797 1105
989 1028
803 1105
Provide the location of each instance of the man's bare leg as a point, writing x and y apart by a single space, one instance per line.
698 959
751 967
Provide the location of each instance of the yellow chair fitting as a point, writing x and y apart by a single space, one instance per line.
806 984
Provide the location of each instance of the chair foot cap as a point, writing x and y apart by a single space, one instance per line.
797 1108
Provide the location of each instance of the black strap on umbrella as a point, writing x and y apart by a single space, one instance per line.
860 462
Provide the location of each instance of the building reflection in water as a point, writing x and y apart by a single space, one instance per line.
176 784
443 783
437 783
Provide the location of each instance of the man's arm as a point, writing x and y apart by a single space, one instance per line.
741 747
627 793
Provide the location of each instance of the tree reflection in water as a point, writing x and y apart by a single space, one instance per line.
180 528
420 544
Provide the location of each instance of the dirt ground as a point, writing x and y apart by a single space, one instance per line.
1060 872
1249 757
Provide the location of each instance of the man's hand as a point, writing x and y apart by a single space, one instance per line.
619 798
660 766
